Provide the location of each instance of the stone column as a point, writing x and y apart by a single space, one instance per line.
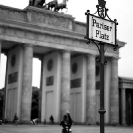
0 60
65 83
0 56
5 91
26 92
123 103
91 90
114 93
40 92
0 67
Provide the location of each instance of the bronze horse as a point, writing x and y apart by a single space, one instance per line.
60 6
36 3
51 4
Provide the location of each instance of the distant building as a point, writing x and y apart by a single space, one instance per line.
126 100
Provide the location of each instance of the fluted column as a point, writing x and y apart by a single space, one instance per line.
65 83
0 60
91 90
123 101
114 93
40 92
26 93
0 55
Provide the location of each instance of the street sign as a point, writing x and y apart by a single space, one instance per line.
101 30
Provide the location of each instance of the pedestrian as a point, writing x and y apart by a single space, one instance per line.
0 122
15 119
51 118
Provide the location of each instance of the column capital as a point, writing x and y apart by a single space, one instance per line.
28 45
92 55
66 54
66 51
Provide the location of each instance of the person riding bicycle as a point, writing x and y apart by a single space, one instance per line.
67 121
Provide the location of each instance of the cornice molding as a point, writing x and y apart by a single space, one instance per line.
63 33
42 30
121 43
10 8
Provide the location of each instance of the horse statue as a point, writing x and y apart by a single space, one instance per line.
61 6
36 3
51 4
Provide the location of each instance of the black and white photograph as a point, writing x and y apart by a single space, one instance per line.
66 66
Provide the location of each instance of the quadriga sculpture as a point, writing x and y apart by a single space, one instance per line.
36 3
61 6
51 4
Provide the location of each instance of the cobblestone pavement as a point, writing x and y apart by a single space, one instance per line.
57 129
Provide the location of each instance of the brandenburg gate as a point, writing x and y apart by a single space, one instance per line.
69 72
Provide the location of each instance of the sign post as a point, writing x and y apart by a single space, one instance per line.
101 32
102 110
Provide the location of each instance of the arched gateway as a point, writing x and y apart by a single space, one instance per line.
70 76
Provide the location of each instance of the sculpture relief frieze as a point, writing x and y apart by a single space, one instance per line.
3 14
12 13
38 17
2 30
50 20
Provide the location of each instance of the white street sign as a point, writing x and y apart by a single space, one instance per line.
101 30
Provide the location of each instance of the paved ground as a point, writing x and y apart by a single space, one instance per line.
57 129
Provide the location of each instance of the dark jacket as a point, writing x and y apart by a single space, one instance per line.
67 119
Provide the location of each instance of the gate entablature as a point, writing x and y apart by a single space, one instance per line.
44 28
37 17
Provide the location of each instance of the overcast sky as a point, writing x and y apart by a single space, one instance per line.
122 10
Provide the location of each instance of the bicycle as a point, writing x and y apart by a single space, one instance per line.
66 127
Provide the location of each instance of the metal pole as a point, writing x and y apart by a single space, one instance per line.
102 110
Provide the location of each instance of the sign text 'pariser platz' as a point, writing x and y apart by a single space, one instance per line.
101 30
